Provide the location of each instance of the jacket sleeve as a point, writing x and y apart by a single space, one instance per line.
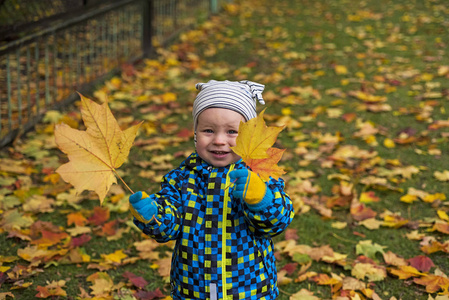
169 216
276 217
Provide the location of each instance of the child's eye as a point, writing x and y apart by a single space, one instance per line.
208 131
233 132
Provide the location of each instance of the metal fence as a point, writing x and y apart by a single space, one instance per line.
49 50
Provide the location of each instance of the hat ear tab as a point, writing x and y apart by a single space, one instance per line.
199 86
256 90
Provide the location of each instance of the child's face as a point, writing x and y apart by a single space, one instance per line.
216 132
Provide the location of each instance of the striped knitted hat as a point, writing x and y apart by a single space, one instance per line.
238 96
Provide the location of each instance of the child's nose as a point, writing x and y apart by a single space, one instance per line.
219 139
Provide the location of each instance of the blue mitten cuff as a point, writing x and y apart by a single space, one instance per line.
266 201
141 207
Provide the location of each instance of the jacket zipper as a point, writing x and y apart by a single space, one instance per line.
223 236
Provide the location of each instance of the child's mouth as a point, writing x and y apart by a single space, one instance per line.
219 153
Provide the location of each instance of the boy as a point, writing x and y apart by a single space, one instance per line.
222 230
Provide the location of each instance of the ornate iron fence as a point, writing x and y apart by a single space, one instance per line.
52 48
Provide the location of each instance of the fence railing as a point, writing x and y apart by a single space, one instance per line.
44 68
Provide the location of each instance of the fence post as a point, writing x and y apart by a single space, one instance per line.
147 23
214 6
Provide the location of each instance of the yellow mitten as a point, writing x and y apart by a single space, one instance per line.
249 186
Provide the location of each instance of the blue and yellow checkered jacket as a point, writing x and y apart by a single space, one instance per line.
223 250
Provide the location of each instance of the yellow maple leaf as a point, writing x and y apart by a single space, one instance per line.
253 145
341 70
443 215
405 272
407 198
372 272
96 153
115 257
441 176
255 137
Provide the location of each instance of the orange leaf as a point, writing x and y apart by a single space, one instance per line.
360 212
435 246
110 228
441 227
324 279
100 216
76 218
253 145
52 289
94 154
433 283
50 238
266 167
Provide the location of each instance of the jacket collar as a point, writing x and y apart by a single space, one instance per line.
196 163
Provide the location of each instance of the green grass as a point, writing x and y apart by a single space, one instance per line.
391 50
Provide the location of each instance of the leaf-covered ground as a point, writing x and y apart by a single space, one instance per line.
363 89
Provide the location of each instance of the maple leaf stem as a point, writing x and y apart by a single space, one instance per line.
230 184
132 192
342 239
121 179
157 221
284 292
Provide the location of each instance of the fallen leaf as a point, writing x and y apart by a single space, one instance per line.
371 223
282 277
443 215
360 212
100 216
291 234
304 294
324 279
81 240
13 219
370 271
52 289
405 272
350 283
137 281
421 263
441 176
435 246
392 259
156 294
164 267
369 249
440 227
290 268
368 197
50 238
6 294
433 283
115 257
76 218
